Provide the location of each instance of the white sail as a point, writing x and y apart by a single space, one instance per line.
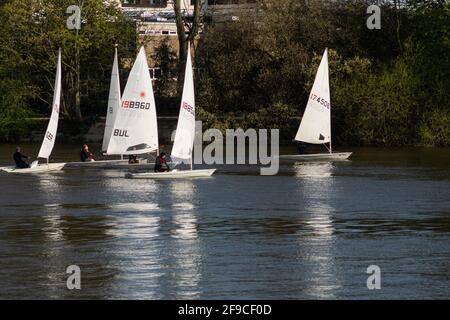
50 135
135 129
185 133
315 127
113 103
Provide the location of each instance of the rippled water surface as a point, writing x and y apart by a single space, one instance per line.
308 233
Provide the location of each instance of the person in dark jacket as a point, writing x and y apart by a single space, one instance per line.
132 159
161 163
85 154
18 159
301 147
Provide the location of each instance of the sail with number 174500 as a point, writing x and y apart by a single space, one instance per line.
315 127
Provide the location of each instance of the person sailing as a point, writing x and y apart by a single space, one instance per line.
301 147
161 163
85 154
132 159
18 159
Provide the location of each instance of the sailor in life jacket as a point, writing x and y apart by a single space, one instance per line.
161 163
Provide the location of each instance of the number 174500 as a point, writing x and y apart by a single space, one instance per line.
318 99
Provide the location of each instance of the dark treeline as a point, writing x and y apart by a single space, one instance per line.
388 86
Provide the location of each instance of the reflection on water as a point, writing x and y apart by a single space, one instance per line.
310 232
134 207
320 220
52 228
317 188
324 276
187 254
185 225
184 218
135 256
314 170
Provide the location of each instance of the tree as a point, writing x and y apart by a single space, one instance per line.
184 21
32 31
13 110
427 55
258 71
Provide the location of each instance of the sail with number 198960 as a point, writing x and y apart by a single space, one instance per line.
135 128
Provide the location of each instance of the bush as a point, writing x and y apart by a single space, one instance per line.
435 128
13 110
279 116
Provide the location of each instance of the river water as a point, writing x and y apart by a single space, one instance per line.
309 233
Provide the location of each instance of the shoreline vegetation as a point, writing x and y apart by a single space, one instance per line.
389 87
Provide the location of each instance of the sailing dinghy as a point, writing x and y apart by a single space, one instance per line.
184 136
50 135
135 129
114 102
315 127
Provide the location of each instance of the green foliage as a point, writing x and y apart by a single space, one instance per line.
259 71
435 128
388 86
278 116
388 116
32 31
13 109
373 107
166 59
427 53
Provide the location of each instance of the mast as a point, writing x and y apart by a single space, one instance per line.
50 135
185 134
192 152
331 144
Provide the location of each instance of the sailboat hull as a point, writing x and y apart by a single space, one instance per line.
175 174
111 164
341 156
41 168
94 164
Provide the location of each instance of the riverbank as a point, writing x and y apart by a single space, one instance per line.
68 132
92 134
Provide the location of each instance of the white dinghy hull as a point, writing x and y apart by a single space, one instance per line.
112 164
94 164
175 174
341 156
41 168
